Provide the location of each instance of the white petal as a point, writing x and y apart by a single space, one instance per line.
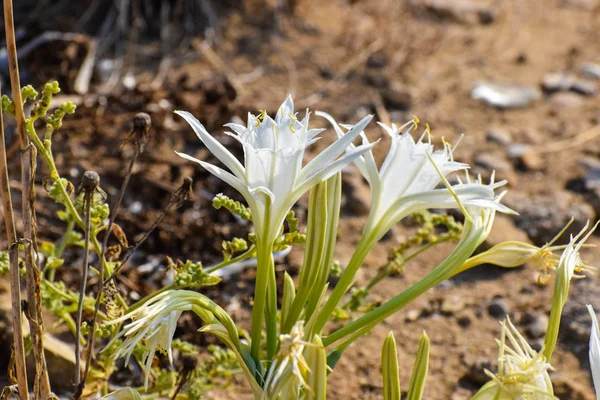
595 351
220 173
216 148
330 169
334 150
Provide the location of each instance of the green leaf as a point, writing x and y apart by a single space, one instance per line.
316 360
389 369
419 375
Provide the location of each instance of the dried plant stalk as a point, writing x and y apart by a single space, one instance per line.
34 301
15 284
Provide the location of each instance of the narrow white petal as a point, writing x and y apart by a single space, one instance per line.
330 169
220 173
216 148
334 150
595 351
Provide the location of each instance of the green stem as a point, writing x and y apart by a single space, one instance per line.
440 273
245 255
360 253
265 263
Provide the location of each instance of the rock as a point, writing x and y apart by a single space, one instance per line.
525 157
476 371
412 315
537 326
561 82
505 96
452 304
396 98
491 162
565 100
376 79
377 60
590 187
557 82
542 217
497 308
499 136
590 70
584 87
462 11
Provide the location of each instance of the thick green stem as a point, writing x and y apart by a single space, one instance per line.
442 272
360 253
265 263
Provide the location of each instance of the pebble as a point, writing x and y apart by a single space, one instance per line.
591 182
525 157
452 304
377 60
499 136
537 327
505 96
497 308
562 82
543 216
491 162
590 70
565 100
584 87
462 11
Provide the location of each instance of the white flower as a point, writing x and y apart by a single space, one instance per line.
123 394
272 178
410 173
595 351
154 325
569 267
522 372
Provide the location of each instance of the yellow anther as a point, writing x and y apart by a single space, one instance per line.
261 117
416 122
293 117
292 128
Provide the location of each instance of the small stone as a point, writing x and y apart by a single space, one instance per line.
412 315
476 371
396 98
462 11
452 304
499 136
584 87
491 162
582 4
525 157
505 96
376 60
590 70
537 327
565 100
497 308
557 82
377 79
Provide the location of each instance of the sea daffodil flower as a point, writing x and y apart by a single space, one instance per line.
407 179
595 351
522 371
273 178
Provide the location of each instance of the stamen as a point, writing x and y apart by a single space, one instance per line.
261 117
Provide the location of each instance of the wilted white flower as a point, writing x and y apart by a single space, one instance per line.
123 394
522 372
152 325
569 266
411 171
272 178
595 351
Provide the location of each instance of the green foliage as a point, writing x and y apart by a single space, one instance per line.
4 263
215 371
191 274
235 207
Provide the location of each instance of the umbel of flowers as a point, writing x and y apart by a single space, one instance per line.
289 350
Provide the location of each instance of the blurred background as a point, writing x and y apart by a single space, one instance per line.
518 78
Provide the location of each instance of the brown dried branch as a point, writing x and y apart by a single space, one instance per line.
41 382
